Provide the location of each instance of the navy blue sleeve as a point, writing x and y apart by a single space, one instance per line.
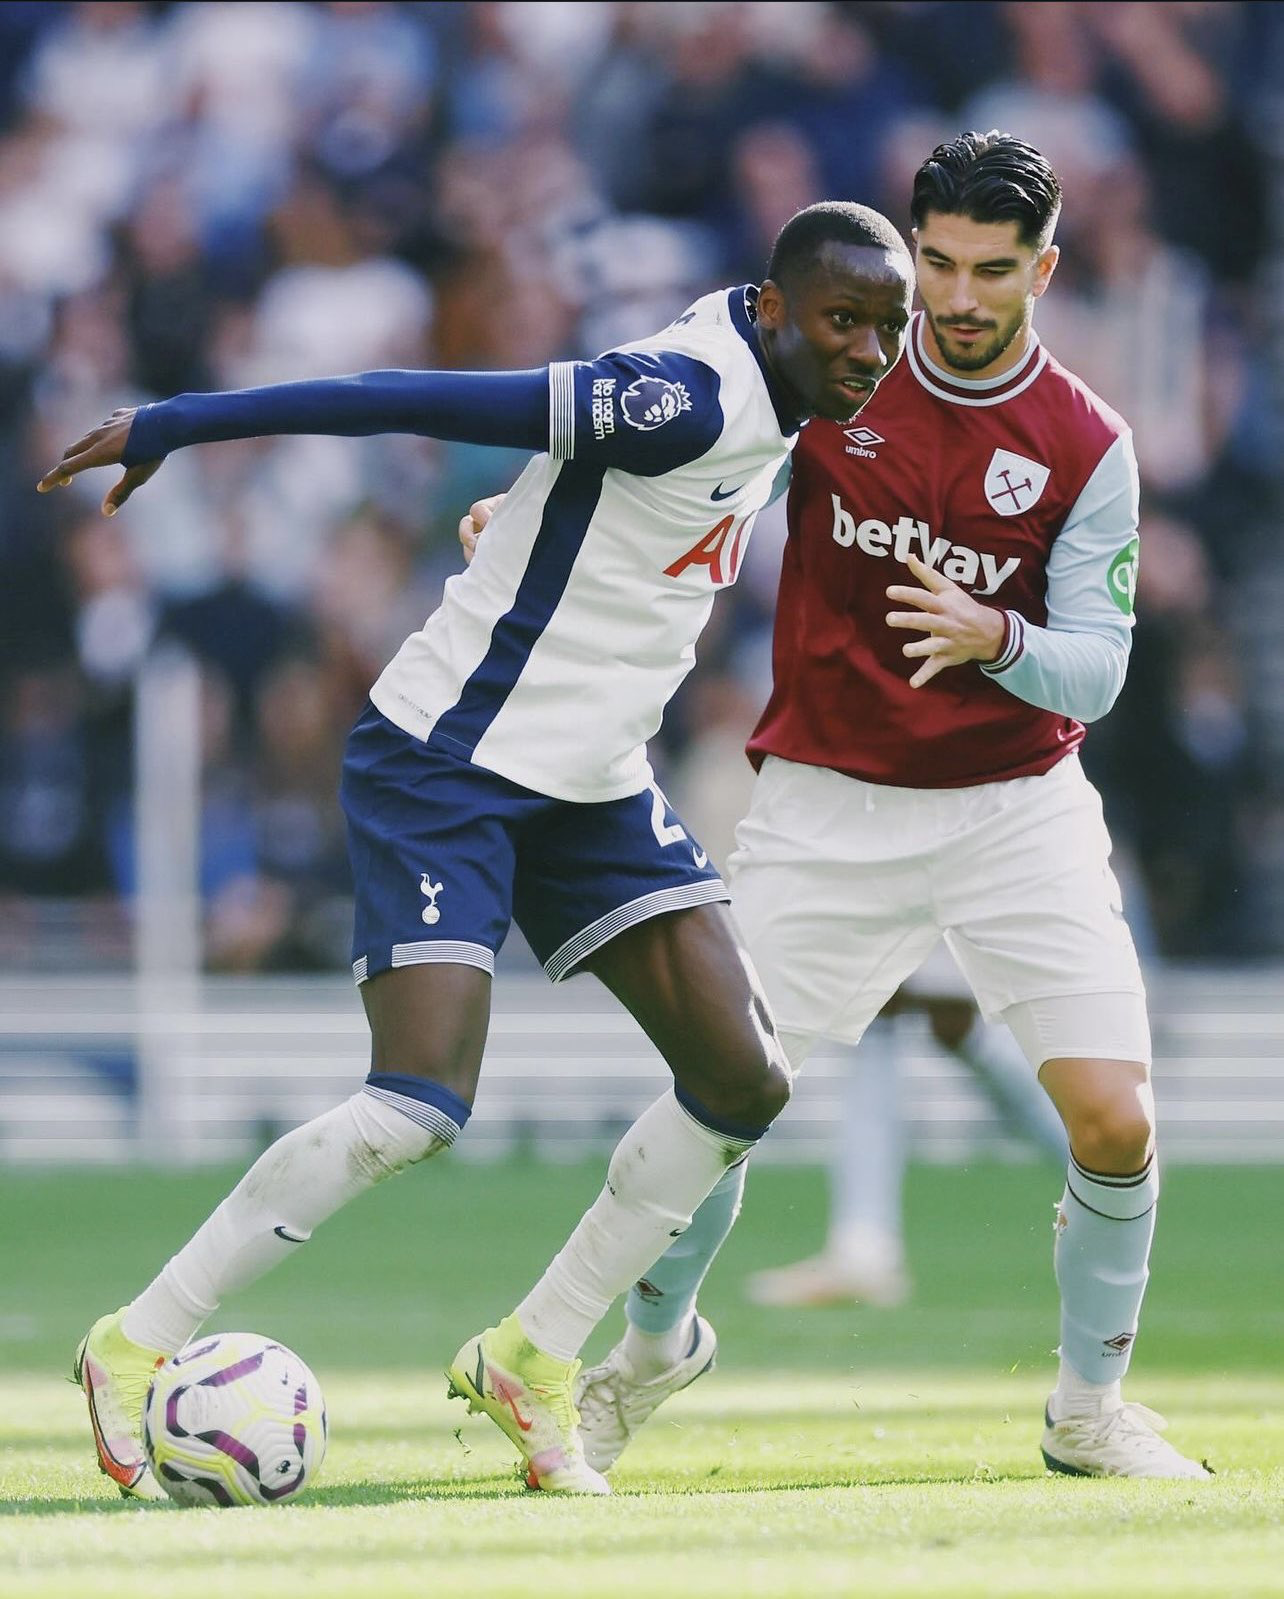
503 408
645 412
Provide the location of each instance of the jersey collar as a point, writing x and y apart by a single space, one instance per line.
971 391
743 306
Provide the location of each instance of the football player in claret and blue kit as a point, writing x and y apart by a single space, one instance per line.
918 774
500 770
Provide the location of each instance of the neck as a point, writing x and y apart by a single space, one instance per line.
1013 356
787 400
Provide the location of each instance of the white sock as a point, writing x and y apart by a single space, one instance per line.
662 1169
293 1186
1076 1396
652 1353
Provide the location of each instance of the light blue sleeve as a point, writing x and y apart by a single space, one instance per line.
1076 665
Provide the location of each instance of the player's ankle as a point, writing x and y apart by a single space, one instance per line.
1076 1396
859 1246
651 1353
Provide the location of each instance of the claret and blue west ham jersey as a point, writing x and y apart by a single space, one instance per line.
551 658
1023 490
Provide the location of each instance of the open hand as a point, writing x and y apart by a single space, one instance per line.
102 446
958 627
471 525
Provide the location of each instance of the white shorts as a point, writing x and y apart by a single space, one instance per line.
842 889
938 976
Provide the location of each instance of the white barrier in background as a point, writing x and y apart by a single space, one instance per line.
565 1070
168 910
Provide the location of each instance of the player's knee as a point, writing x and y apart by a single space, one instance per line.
780 1085
398 1129
766 1093
746 1089
1115 1137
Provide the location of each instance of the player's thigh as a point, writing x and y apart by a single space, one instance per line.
1108 1025
828 894
621 889
686 978
586 874
432 856
1032 909
430 1021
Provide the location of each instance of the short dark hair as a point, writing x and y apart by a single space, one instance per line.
799 243
990 177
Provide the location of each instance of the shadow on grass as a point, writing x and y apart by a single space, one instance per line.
325 1496
351 1495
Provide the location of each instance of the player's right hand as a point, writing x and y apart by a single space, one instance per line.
102 446
471 525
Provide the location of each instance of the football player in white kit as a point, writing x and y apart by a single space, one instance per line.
913 789
500 770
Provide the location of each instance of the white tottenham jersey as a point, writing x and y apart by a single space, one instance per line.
551 658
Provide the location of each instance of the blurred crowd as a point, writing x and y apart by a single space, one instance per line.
211 195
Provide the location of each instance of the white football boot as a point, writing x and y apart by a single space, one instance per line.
614 1403
1122 1441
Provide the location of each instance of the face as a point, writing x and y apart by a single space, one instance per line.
837 330
978 283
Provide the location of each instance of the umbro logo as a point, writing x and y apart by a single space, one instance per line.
1120 1342
862 443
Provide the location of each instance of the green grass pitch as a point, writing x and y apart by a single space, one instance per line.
836 1452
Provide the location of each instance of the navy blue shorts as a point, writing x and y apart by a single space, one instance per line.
446 854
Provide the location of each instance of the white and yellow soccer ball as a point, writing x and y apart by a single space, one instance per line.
234 1419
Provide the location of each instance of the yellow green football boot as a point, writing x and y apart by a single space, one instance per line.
528 1395
115 1375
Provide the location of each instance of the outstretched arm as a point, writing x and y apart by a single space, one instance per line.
640 411
503 408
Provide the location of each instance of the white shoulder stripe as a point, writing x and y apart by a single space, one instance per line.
561 410
700 891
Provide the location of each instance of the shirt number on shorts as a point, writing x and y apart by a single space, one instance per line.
664 835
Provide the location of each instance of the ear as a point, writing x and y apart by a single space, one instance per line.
771 305
1044 267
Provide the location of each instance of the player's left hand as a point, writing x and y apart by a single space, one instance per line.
102 446
472 525
958 627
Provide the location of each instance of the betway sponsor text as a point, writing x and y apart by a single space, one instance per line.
978 570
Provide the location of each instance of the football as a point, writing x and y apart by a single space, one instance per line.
234 1419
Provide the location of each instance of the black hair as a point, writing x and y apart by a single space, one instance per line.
800 242
990 177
